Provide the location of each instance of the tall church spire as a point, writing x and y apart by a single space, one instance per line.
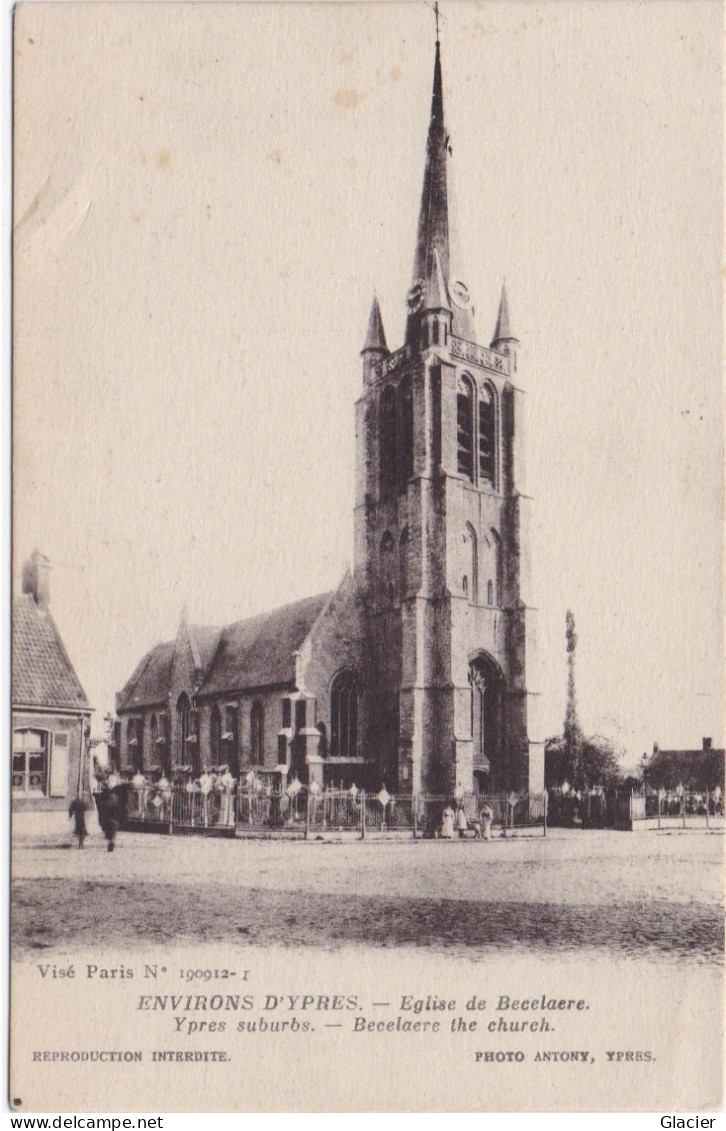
433 224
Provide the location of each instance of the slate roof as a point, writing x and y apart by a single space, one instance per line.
150 682
257 652
204 641
43 675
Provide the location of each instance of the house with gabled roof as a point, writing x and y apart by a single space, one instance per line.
50 710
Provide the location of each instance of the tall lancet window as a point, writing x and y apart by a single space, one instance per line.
344 716
257 734
496 569
184 730
215 736
470 577
465 427
487 436
403 560
387 568
405 401
388 443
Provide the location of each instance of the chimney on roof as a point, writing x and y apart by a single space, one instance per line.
707 744
36 579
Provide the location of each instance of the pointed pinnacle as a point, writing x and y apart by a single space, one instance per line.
376 336
503 330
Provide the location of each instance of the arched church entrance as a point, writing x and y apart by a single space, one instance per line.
487 723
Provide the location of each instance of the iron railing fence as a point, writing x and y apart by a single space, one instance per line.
308 812
163 809
599 808
302 811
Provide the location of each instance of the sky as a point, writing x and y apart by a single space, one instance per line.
207 196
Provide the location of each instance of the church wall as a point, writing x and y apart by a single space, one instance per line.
182 681
335 643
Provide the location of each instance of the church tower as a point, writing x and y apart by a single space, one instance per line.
440 530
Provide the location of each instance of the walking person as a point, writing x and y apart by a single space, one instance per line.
77 811
111 821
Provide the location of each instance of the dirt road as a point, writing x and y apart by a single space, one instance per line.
638 895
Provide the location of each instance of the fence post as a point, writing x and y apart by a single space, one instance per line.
546 798
706 808
307 814
363 815
683 807
415 828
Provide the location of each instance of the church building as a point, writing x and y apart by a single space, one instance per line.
415 673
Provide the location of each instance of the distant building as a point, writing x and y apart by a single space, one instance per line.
416 673
50 711
693 769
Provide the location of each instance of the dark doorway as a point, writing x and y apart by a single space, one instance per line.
487 723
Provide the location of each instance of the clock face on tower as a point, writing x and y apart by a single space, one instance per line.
414 298
459 293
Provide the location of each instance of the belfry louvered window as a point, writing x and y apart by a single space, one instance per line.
405 404
487 436
388 443
465 428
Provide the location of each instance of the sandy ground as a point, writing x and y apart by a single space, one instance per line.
649 895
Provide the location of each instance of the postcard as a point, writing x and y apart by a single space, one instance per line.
367 675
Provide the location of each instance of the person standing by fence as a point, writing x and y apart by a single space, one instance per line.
487 816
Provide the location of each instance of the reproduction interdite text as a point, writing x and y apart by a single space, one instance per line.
218 1000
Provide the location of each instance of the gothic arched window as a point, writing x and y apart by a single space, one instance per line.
344 716
135 743
184 729
230 738
257 734
471 564
496 569
406 430
465 427
387 566
215 736
388 442
487 436
403 550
